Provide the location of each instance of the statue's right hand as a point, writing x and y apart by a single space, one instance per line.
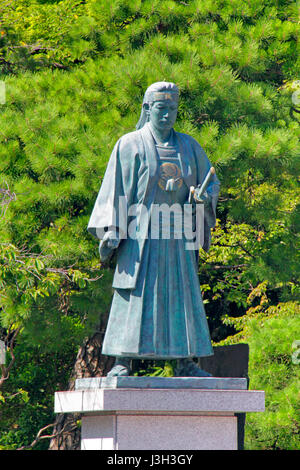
112 243
108 244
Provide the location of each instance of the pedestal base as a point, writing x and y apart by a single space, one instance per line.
171 418
159 432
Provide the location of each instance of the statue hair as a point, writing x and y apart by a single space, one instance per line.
149 98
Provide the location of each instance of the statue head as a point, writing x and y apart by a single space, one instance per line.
160 105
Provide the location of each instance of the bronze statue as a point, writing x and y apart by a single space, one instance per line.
157 310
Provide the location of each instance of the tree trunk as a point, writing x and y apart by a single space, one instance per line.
89 363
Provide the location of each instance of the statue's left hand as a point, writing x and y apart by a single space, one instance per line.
205 198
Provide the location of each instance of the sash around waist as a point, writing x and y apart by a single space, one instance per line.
165 222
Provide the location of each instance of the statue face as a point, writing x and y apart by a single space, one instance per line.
163 114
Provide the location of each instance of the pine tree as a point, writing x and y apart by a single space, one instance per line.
75 74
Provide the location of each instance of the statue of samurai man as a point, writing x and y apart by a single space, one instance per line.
157 310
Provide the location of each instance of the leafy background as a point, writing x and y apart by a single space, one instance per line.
75 73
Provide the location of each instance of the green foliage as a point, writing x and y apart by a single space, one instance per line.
28 394
272 370
75 74
155 368
36 35
40 298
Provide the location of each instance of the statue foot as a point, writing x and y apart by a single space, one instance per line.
121 368
188 368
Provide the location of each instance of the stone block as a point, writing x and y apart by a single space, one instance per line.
158 432
159 419
216 383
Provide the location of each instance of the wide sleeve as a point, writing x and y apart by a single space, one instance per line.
203 166
117 191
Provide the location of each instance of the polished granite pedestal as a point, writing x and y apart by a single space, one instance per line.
159 413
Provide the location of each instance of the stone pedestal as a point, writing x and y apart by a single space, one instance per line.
155 413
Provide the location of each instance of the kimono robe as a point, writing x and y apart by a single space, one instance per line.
157 309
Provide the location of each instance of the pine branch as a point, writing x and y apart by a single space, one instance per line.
39 435
5 370
35 48
227 266
8 64
237 245
6 198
